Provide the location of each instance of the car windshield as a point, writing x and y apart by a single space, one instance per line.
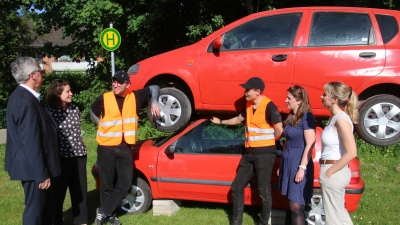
159 141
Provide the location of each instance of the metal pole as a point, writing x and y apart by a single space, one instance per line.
112 58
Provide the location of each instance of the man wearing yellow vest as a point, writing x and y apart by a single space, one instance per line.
116 113
263 127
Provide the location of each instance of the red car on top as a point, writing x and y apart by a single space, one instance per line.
200 164
308 46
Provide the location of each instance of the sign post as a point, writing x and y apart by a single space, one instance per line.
110 39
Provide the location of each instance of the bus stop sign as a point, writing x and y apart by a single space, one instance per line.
110 39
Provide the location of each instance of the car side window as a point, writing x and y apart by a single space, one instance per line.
276 31
388 26
334 29
210 138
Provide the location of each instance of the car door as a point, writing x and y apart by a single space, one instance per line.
203 165
340 46
261 47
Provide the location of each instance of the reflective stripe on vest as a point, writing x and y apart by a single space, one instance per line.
111 123
110 134
258 132
260 138
113 126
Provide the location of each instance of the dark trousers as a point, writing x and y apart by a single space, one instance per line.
262 164
73 176
39 204
116 172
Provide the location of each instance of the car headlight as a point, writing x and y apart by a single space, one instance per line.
133 69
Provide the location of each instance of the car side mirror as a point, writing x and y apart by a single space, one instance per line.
170 149
217 43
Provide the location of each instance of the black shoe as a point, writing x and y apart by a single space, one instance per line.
100 217
113 220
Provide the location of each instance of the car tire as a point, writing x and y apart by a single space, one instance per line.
379 120
176 111
138 199
315 212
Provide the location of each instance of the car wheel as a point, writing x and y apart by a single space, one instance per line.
379 120
176 110
314 212
138 199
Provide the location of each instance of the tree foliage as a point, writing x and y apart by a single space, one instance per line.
14 34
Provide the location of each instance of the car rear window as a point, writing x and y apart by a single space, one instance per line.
388 26
340 29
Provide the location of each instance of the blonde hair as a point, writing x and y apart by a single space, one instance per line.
347 98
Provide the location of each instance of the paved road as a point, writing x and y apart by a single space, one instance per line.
3 135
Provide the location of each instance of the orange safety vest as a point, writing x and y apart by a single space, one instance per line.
113 126
258 132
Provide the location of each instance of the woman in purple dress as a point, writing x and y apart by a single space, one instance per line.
296 173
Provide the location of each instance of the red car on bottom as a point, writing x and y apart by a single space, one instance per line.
200 163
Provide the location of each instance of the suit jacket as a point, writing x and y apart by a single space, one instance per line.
32 146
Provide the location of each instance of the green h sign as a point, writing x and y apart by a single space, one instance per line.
110 39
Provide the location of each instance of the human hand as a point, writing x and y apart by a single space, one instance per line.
215 120
155 109
45 184
328 173
299 175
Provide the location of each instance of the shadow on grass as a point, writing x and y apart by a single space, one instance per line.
252 211
93 204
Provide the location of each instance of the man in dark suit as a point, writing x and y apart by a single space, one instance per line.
31 148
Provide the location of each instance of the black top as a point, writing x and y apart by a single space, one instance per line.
272 117
70 142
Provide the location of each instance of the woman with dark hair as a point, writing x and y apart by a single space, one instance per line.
338 149
296 173
72 152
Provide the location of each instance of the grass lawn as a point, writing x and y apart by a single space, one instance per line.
380 169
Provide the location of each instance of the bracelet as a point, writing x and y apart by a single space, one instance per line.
220 122
303 167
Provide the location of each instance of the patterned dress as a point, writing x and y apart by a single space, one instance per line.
297 192
70 140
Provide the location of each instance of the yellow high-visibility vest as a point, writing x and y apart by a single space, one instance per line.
113 126
258 132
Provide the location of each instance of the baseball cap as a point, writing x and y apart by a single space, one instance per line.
254 82
121 76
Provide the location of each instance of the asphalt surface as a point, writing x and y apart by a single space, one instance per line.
3 136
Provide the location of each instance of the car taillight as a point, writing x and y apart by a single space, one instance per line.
355 177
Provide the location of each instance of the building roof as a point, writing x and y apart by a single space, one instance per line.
55 37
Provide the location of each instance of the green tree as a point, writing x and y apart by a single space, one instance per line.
146 27
15 35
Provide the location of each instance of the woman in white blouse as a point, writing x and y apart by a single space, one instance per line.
338 149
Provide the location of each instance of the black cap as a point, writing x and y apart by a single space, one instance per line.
121 76
254 82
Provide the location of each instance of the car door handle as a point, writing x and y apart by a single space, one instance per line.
367 54
279 58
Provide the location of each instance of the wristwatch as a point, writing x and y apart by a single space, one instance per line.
303 167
